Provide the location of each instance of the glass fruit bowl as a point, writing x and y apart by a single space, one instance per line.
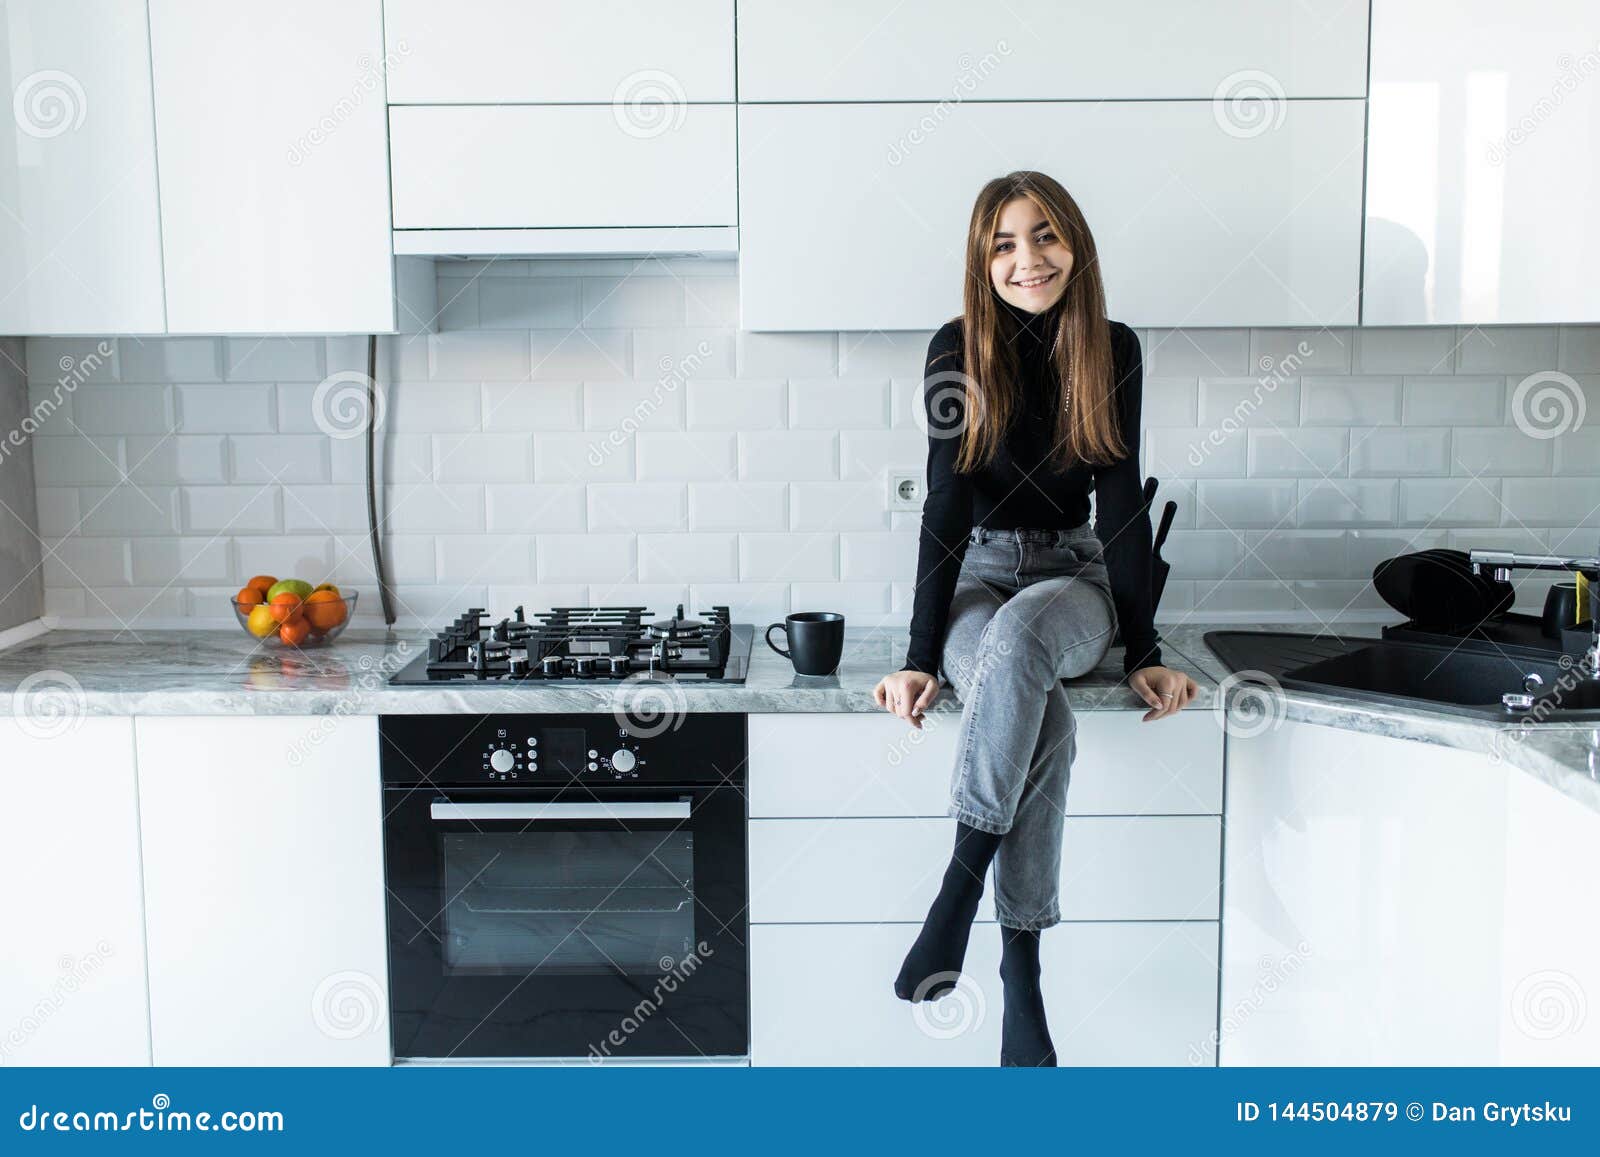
318 619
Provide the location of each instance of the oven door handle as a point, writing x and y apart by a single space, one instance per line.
677 809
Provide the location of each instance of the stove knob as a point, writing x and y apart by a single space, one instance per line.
584 666
622 760
519 664
502 760
619 664
550 664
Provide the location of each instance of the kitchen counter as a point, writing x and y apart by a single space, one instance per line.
225 673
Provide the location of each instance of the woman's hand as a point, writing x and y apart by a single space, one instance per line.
907 693
1164 689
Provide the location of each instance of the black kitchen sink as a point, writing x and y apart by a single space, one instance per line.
1453 677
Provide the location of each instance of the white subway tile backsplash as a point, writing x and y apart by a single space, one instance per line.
274 359
738 506
625 506
786 455
62 360
738 404
1454 401
171 359
783 355
1196 352
545 508
688 558
788 557
838 403
1347 401
1399 450
535 303
479 353
218 409
1506 349
650 452
678 457
280 457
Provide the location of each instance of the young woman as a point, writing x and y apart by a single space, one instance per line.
1032 399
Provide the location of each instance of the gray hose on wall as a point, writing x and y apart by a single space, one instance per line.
385 595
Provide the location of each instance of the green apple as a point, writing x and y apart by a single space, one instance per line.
297 587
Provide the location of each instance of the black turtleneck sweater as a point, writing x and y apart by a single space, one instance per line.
1016 490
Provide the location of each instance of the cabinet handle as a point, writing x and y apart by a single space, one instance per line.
621 810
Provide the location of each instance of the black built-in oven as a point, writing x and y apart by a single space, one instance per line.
566 886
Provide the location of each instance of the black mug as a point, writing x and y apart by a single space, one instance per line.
816 641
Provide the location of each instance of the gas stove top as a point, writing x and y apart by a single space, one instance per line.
577 645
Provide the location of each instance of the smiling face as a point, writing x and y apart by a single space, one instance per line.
1028 263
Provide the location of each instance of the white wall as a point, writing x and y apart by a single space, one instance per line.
567 437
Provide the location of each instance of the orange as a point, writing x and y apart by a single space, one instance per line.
249 596
294 632
325 609
286 607
262 583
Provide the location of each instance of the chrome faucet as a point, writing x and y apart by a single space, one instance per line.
1501 563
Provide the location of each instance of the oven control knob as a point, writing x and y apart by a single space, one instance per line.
622 760
502 760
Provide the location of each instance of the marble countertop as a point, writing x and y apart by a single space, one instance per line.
206 672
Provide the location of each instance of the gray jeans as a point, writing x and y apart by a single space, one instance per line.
1031 607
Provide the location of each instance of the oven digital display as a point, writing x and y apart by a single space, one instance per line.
561 750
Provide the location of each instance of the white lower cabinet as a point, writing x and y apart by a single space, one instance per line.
1391 902
72 973
263 862
1116 993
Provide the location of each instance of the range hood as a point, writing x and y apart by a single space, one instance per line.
635 241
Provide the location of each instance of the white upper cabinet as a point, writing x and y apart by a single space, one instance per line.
854 216
80 241
1483 164
532 166
871 50
274 172
557 51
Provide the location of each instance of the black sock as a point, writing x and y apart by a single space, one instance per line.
933 965
1024 1036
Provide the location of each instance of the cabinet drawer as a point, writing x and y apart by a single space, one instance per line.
847 871
1116 994
531 51
875 765
1140 49
535 167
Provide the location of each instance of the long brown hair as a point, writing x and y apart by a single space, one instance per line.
1086 428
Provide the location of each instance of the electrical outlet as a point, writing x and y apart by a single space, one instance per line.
905 490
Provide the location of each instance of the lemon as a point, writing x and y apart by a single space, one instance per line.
261 623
